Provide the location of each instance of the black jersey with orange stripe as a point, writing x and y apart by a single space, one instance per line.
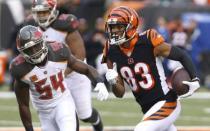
64 22
57 52
141 70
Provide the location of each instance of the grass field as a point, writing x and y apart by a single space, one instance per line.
118 112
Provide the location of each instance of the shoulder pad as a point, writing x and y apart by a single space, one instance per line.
18 60
66 22
155 38
19 67
55 46
59 51
144 36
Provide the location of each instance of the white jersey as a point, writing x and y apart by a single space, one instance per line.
78 84
47 85
58 30
55 35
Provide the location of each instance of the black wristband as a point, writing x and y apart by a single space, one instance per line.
180 55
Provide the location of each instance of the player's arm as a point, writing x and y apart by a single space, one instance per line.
164 49
83 68
70 24
22 95
76 45
97 81
115 80
175 53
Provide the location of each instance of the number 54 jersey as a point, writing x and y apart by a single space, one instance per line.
47 86
141 70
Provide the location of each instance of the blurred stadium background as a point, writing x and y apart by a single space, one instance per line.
185 23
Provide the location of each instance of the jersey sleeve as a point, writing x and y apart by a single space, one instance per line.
66 22
155 38
19 67
12 71
61 51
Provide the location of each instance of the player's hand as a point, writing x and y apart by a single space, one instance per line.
111 76
193 86
102 91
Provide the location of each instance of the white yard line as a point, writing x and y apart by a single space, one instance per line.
207 110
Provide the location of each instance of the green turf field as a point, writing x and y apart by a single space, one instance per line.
119 112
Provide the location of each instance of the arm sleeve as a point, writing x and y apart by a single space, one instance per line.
180 55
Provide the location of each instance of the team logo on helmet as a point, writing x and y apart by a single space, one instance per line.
126 18
31 44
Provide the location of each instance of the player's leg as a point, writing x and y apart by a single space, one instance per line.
95 120
47 120
65 115
80 88
160 117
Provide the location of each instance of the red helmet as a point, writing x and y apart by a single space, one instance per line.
48 6
124 18
31 44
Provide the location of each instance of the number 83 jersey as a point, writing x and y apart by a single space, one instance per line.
140 69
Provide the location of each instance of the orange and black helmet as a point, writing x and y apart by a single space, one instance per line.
125 17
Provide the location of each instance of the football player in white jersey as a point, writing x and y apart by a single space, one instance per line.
39 69
63 28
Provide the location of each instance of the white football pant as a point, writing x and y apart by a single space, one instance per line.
160 117
80 89
60 118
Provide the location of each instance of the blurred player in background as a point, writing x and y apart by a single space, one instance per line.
40 68
64 28
135 59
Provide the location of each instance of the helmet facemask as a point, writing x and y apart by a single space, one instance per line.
116 33
44 14
31 44
34 51
126 18
120 36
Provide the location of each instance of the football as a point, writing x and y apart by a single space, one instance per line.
176 81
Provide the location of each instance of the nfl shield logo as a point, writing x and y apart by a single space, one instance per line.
130 61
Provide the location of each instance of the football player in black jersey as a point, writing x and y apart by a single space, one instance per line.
40 68
134 59
64 28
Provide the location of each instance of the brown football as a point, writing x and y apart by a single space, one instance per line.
176 81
